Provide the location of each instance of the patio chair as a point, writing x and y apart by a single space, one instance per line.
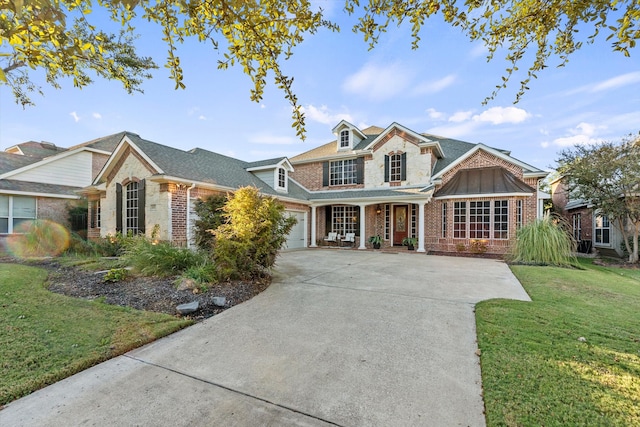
349 238
332 237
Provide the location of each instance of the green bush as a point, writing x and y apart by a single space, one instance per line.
210 217
202 273
159 259
255 229
544 242
116 275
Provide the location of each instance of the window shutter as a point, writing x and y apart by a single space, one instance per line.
360 170
141 207
325 174
118 207
386 168
403 167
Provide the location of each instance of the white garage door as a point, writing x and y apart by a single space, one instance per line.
296 238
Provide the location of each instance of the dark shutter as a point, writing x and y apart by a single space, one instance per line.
325 174
118 208
386 168
403 167
360 170
327 218
141 207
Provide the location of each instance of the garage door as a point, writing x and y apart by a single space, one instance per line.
296 238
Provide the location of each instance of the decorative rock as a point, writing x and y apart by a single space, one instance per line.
187 308
219 301
582 339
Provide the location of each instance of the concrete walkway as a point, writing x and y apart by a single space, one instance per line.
342 337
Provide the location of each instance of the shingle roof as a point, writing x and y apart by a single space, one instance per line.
9 162
105 143
207 167
38 149
36 187
367 193
491 180
267 162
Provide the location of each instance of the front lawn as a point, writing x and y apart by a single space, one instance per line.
46 337
570 357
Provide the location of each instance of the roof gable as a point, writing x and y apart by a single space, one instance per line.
405 133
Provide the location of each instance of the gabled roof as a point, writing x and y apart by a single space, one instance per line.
106 143
344 123
483 181
35 149
269 164
196 165
9 162
420 137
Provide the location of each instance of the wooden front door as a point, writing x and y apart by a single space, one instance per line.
400 223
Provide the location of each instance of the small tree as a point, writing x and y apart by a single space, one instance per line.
544 242
210 217
255 229
608 176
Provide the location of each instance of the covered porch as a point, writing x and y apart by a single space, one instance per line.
392 214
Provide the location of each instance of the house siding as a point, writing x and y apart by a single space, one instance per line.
74 170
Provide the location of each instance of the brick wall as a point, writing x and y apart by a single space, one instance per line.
54 209
310 176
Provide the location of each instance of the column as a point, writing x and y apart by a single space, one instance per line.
421 227
363 220
313 227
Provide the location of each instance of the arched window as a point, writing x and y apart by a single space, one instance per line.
132 205
344 139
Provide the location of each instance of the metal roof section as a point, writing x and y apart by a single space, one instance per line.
483 181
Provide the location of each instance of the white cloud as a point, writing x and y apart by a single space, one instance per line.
500 115
267 138
618 81
96 116
379 83
75 116
460 116
201 117
479 50
544 144
458 130
323 115
584 133
434 114
434 86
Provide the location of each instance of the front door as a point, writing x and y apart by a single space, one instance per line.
399 224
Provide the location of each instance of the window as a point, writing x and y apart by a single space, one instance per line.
344 219
576 222
479 219
444 219
602 230
500 219
483 219
95 214
395 171
131 216
414 220
343 172
15 210
282 178
344 139
460 220
518 213
387 221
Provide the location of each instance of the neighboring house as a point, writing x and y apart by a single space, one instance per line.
590 229
39 180
393 182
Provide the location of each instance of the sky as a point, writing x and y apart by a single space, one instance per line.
438 89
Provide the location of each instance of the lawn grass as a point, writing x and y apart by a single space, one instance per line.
536 371
45 337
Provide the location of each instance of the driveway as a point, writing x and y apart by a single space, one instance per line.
342 337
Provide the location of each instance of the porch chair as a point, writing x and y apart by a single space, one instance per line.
332 237
349 238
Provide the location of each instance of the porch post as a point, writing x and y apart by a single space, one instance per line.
421 227
313 227
363 220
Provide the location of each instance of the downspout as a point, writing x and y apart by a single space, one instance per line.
189 214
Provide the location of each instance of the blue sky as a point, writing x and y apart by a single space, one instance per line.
438 89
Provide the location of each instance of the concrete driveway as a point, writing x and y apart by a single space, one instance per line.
342 337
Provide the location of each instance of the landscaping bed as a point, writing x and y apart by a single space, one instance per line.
158 294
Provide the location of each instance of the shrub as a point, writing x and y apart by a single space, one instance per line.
478 246
255 229
159 259
116 275
210 217
202 273
544 242
460 247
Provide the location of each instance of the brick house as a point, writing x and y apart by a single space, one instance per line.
391 182
39 180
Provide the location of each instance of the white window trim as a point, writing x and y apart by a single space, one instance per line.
492 221
353 178
349 139
276 179
10 217
595 234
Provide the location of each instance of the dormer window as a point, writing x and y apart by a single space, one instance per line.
344 138
282 178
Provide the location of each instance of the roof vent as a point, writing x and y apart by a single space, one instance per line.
49 145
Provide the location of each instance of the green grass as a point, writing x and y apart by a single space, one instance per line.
535 371
45 337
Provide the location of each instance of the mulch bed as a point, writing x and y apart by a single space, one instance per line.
146 293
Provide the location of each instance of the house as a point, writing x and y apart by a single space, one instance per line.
389 181
39 180
590 229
